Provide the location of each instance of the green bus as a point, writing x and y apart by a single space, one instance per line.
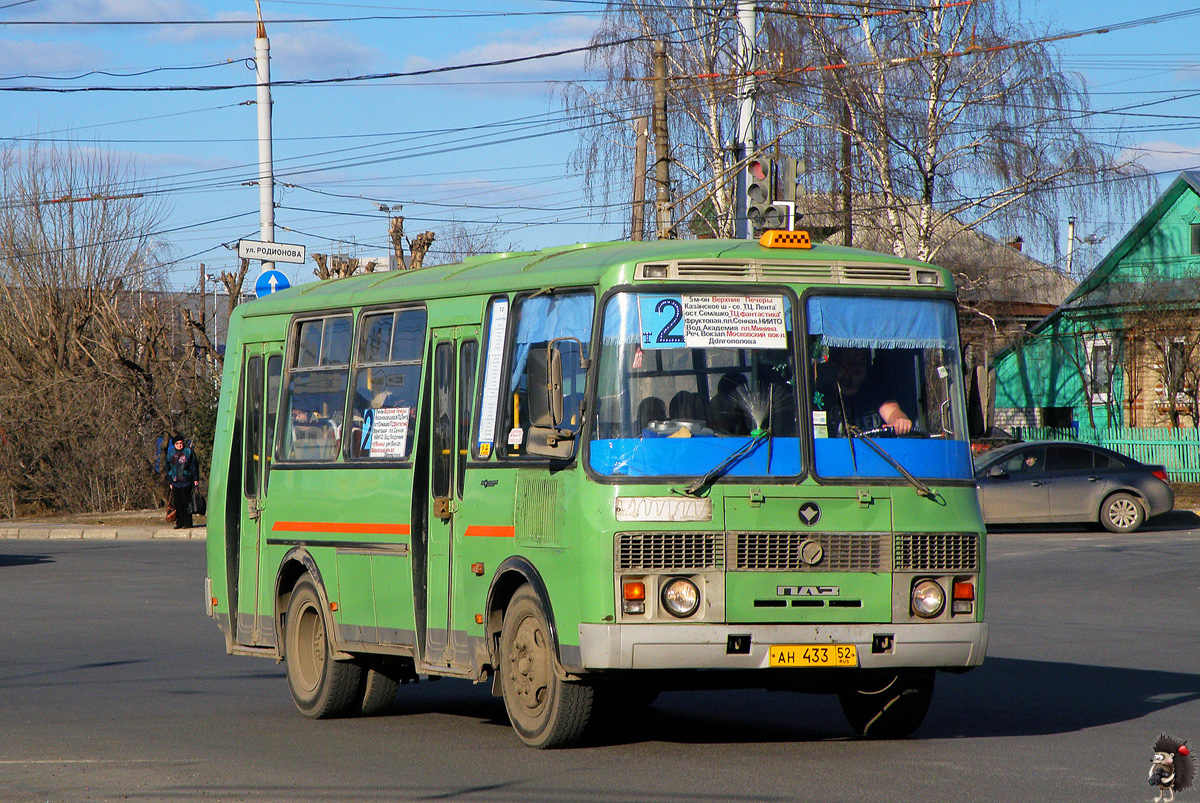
590 473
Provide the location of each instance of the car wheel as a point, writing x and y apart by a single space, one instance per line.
545 710
1121 513
887 705
321 687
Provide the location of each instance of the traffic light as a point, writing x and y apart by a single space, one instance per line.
779 215
758 193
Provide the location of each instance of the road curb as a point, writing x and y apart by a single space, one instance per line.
100 533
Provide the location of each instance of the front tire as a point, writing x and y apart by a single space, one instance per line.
887 705
321 687
1121 513
545 710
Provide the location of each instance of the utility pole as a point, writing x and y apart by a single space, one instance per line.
1070 244
744 145
637 224
266 174
662 203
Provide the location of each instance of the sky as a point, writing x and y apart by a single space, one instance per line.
485 148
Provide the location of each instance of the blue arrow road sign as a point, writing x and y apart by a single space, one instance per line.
270 281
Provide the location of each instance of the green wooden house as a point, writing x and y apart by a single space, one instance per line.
1123 350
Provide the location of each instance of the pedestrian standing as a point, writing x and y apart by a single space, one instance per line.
183 474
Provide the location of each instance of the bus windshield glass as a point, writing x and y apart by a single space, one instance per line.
687 379
887 368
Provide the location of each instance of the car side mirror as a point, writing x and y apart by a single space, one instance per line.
997 472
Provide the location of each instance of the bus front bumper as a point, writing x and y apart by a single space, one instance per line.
699 646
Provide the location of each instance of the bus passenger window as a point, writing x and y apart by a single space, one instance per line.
316 389
539 320
387 379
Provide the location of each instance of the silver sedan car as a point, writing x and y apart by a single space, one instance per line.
1061 481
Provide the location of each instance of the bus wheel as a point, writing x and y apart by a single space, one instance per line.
887 705
545 710
321 687
380 684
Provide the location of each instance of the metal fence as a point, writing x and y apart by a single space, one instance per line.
1178 450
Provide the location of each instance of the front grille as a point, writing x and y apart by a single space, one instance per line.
929 552
670 551
840 552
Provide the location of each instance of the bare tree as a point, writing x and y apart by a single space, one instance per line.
461 241
952 111
1162 314
94 366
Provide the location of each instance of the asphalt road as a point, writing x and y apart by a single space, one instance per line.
115 686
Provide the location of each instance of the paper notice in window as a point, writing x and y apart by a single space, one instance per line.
390 435
754 322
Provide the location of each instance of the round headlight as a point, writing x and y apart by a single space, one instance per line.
680 597
928 599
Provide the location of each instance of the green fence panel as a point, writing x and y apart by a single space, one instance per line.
1177 450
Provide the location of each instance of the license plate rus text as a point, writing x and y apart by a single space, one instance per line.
814 655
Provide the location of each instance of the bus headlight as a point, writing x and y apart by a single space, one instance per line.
680 597
928 599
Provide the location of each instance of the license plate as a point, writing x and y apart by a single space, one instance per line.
814 655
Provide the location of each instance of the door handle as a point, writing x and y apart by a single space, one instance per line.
1036 483
1093 479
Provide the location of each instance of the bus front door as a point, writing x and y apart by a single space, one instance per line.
259 405
448 442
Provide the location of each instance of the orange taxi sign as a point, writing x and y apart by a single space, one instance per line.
779 238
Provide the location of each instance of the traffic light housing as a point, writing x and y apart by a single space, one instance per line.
758 194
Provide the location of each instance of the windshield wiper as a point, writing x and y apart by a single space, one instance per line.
756 437
853 432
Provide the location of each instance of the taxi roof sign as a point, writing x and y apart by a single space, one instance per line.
779 238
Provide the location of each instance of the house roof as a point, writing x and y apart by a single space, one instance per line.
985 269
1094 290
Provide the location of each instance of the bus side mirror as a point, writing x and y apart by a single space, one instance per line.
544 394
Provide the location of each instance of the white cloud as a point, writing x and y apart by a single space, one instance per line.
565 34
319 52
110 10
47 58
1161 155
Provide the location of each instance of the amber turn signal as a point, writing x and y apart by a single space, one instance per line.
635 590
964 591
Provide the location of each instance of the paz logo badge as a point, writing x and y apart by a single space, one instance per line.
810 513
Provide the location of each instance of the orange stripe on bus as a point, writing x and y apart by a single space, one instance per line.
339 527
490 531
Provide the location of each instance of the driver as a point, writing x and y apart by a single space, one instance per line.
848 392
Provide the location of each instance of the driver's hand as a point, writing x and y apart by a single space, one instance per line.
902 425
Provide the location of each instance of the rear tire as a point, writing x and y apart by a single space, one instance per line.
545 710
1122 513
321 687
887 705
381 681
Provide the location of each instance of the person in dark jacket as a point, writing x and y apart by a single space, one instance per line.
183 474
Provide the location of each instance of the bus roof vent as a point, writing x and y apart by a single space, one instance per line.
797 273
714 270
878 274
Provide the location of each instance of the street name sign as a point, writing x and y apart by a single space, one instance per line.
270 281
270 252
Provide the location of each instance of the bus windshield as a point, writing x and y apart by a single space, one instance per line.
887 368
686 380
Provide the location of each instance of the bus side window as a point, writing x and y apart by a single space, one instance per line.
387 381
316 389
540 319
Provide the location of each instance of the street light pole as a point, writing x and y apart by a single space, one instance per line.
266 175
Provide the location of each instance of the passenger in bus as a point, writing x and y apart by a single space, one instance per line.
651 409
729 410
844 392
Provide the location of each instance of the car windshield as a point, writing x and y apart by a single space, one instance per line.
888 368
686 380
